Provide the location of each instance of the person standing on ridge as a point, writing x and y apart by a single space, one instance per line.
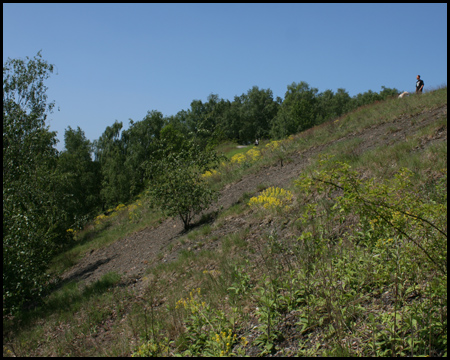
419 85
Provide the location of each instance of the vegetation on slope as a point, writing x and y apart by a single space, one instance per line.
350 259
48 195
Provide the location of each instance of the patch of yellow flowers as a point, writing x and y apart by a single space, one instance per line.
273 145
191 303
250 156
208 173
238 158
218 343
272 198
132 215
224 341
253 155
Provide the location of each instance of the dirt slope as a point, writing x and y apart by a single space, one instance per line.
134 254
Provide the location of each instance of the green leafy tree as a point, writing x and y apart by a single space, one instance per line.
176 183
121 154
370 97
195 116
206 122
342 101
33 222
211 124
139 143
298 111
201 120
171 138
231 124
365 98
388 92
257 111
331 105
81 177
179 122
110 152
218 112
326 107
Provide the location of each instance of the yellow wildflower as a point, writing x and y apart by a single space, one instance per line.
272 198
253 154
238 158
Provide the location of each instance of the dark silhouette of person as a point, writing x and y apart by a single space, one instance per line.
419 85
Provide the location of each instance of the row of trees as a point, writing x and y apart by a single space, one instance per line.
46 192
256 114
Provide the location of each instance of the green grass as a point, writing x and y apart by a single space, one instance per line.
319 280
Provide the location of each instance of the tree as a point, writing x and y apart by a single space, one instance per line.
342 101
110 152
211 125
179 122
195 116
171 138
232 120
366 98
82 176
370 97
33 222
24 112
297 112
330 105
221 112
176 183
386 93
256 114
121 154
139 142
326 107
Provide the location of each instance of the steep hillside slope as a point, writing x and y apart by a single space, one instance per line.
252 282
134 254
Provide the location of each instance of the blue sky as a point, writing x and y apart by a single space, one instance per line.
118 61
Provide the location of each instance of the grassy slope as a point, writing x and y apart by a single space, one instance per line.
276 284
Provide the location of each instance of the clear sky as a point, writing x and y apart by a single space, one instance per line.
118 61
